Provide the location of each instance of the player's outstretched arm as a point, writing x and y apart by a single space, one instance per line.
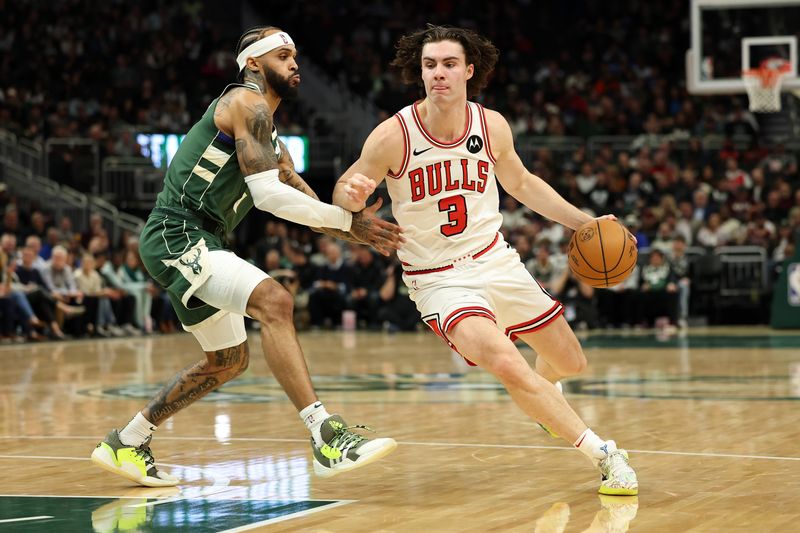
382 149
528 188
289 176
366 227
251 121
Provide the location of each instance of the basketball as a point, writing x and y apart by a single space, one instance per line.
602 253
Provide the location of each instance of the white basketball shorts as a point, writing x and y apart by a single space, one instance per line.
492 283
229 287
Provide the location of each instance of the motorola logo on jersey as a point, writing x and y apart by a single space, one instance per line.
474 144
448 175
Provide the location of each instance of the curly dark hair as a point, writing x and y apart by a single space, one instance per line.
249 37
479 51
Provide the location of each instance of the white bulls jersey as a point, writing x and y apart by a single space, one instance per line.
445 195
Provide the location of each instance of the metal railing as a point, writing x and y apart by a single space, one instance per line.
130 183
744 270
85 160
23 168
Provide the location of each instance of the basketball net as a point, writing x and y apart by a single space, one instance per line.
763 84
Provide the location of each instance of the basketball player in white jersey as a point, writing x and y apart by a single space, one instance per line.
440 157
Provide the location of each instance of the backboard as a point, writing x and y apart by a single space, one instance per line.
729 36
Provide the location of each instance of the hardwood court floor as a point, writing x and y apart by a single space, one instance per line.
710 420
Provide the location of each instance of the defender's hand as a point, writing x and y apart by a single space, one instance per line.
381 235
358 187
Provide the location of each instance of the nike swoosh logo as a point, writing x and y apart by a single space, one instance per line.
418 152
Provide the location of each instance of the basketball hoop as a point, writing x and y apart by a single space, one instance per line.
763 84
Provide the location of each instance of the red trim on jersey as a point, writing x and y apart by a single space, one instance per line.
465 315
456 316
477 255
406 149
433 323
431 138
537 323
427 270
448 267
485 129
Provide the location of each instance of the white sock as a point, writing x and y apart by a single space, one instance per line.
137 430
559 386
593 446
313 416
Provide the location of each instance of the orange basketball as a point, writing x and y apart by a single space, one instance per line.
602 253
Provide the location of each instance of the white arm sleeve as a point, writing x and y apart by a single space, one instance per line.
270 194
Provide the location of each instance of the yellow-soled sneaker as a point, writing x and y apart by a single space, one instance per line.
618 478
133 463
344 450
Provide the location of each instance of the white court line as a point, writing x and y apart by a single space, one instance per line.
409 443
288 516
25 519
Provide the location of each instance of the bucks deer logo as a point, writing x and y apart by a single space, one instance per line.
193 262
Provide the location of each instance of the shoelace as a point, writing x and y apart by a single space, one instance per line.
144 452
345 437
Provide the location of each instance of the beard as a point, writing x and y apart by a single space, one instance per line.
280 85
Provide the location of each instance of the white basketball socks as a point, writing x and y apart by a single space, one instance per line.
313 416
137 431
593 446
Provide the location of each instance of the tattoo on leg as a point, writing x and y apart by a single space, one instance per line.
197 380
232 357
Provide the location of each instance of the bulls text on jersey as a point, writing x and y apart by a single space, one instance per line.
447 176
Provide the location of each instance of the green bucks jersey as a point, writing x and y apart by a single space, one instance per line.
204 175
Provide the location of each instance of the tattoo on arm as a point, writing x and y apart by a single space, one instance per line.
339 234
223 104
197 380
361 225
254 150
290 177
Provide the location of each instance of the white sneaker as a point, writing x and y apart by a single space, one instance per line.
618 478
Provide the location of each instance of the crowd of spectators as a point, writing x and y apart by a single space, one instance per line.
71 69
672 201
576 68
57 282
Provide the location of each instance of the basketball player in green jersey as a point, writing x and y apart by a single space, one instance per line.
230 161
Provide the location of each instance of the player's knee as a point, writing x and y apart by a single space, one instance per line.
507 368
573 364
272 304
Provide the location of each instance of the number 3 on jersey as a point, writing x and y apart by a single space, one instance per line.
456 208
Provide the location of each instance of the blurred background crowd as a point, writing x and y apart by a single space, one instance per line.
698 173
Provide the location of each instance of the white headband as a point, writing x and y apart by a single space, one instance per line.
262 46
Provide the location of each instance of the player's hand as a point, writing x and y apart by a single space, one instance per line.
381 235
609 217
614 218
358 187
